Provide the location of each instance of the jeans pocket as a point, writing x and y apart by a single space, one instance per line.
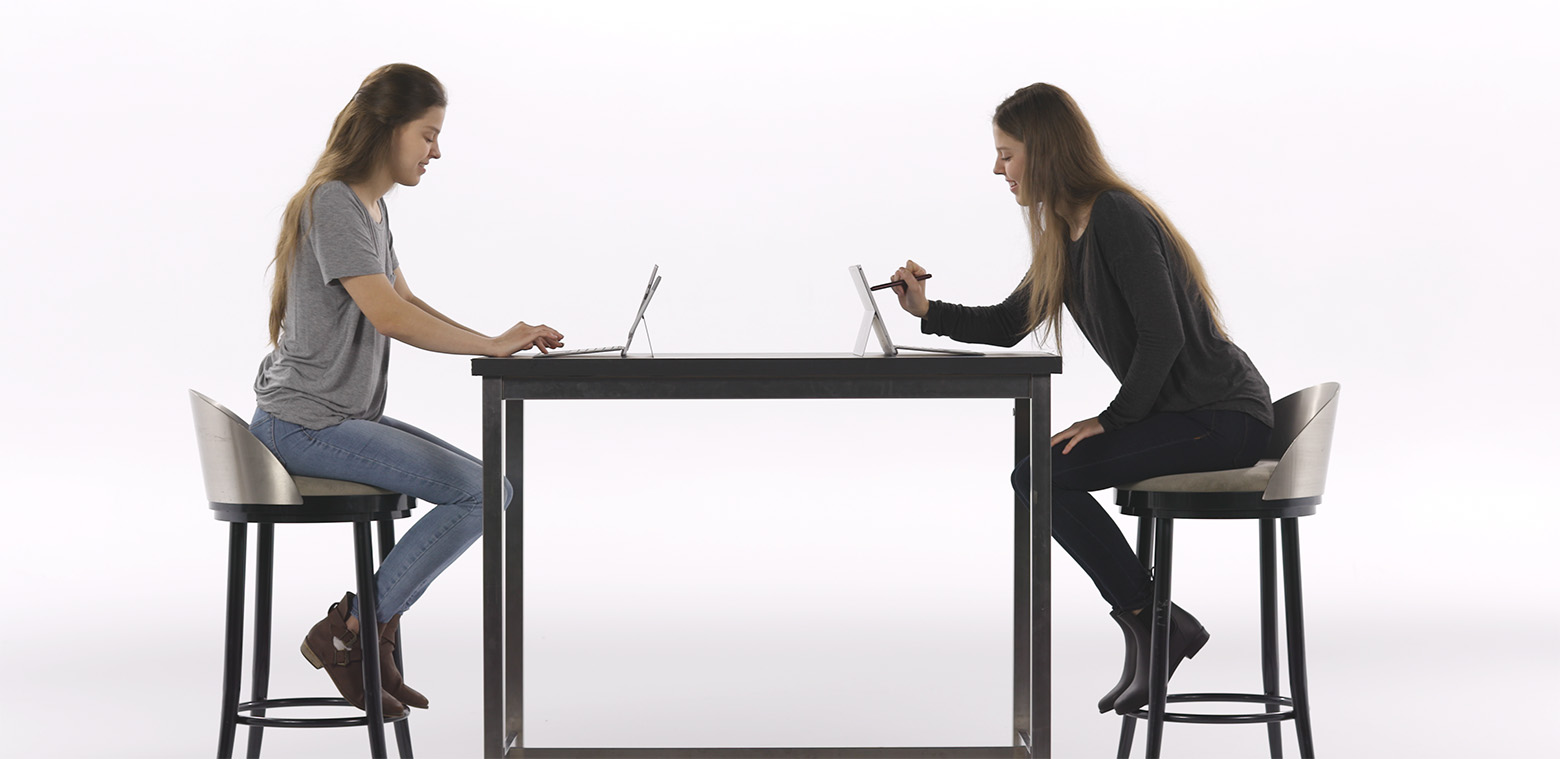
265 430
1238 457
310 436
1208 421
1227 434
1252 436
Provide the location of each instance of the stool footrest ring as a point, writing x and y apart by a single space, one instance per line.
1225 719
283 703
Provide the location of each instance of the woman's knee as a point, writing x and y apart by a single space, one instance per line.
475 495
1061 476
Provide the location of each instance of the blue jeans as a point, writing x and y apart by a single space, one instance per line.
1165 443
395 456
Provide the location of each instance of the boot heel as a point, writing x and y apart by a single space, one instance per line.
1197 643
307 654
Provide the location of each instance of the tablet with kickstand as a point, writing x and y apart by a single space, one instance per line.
872 322
644 303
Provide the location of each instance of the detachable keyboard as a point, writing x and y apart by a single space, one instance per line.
949 351
581 351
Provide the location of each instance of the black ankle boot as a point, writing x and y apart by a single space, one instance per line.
1187 637
1129 666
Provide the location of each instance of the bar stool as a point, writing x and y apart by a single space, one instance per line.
245 484
1285 485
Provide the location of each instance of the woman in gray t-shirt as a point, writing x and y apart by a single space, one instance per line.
1190 400
338 300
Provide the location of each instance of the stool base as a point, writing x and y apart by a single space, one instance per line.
1155 549
253 712
282 703
1224 719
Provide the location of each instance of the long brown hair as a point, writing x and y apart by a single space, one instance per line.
1066 169
358 145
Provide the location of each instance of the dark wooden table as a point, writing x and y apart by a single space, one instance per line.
508 382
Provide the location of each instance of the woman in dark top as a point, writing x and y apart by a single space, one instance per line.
1190 400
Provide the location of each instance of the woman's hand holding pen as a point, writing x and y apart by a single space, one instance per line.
523 336
912 294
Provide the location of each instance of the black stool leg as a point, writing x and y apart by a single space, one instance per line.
1295 615
1159 657
403 730
368 636
1269 583
233 645
1124 747
1145 549
259 684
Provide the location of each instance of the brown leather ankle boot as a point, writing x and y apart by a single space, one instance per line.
345 667
389 674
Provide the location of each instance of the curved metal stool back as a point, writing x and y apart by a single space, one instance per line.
245 483
1285 485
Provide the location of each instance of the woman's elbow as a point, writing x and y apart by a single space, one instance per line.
391 325
1167 341
1015 333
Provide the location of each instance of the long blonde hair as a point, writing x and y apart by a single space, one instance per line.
358 145
1065 168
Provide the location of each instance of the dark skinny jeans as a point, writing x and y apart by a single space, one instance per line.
1165 443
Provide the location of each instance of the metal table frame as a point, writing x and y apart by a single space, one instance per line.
508 382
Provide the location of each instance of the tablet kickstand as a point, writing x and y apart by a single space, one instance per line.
864 333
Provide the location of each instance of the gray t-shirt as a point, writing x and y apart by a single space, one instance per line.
330 364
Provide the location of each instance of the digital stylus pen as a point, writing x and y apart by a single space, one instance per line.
899 282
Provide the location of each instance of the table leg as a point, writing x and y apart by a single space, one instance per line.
1021 638
1040 565
514 568
493 743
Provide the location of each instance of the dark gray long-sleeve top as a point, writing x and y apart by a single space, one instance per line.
1132 303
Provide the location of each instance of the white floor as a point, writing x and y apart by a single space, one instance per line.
825 610
1441 683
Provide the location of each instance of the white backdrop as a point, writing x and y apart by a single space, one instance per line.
1368 184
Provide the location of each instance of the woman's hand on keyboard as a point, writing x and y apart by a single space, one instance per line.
523 336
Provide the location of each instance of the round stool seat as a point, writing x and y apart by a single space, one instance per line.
1223 494
323 501
308 486
1252 479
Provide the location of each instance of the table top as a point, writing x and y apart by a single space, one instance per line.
666 366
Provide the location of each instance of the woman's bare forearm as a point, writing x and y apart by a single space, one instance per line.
420 303
412 324
399 315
